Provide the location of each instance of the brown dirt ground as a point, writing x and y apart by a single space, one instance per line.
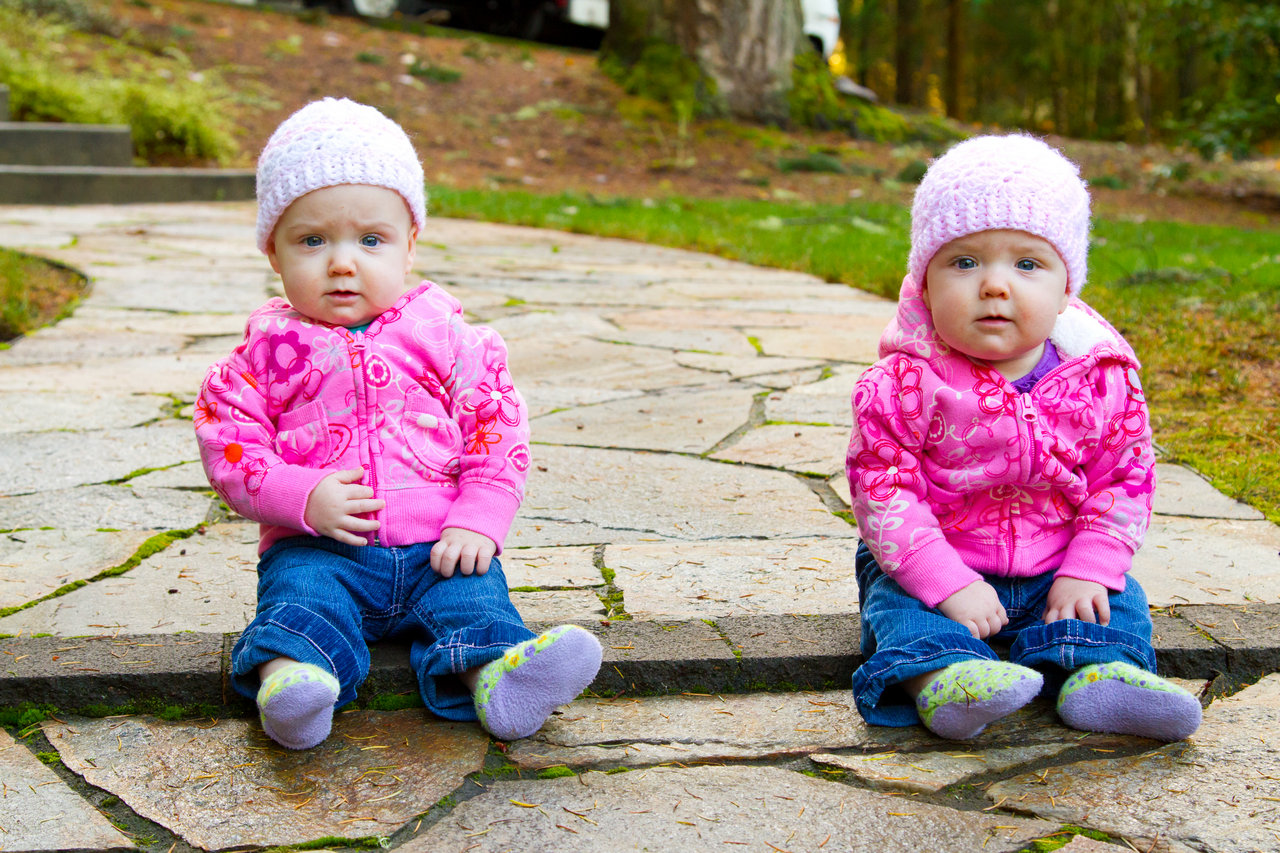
522 115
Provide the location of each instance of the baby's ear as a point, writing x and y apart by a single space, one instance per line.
413 249
271 253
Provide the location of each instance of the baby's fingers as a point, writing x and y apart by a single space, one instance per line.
347 537
364 505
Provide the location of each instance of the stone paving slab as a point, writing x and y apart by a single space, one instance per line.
1217 791
27 411
205 583
76 673
39 812
1209 561
735 577
931 772
815 450
58 460
223 783
672 509
630 496
1249 633
679 421
123 507
711 808
36 563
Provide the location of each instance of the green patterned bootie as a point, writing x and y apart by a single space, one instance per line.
1119 697
517 692
964 697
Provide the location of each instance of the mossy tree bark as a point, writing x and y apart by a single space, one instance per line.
744 47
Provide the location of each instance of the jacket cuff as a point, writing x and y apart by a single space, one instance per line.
282 501
484 509
933 572
1098 557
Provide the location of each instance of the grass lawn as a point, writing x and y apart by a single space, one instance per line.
1199 304
33 292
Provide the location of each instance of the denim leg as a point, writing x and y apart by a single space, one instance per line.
313 594
901 638
456 624
1068 644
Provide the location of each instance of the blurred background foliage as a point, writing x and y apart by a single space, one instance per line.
1205 73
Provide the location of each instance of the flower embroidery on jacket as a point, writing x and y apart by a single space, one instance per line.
206 412
884 469
910 394
287 355
992 397
378 372
495 399
485 437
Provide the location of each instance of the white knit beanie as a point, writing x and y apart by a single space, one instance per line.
1014 182
330 142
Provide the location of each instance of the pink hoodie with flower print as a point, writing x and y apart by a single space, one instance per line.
955 475
420 400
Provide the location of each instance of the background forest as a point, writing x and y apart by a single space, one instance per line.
1201 72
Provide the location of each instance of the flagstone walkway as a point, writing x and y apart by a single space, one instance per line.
687 503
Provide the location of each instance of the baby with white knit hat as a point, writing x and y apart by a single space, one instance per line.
1001 469
378 439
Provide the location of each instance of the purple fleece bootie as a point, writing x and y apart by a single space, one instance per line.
296 705
517 692
964 697
1119 697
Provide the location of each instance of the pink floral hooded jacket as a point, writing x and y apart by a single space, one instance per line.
955 475
420 400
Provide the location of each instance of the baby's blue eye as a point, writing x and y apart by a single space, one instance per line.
370 240
311 241
1026 265
965 263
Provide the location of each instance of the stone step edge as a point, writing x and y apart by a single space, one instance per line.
46 185
38 143
736 654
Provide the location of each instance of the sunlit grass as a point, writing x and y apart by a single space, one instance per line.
33 292
1199 304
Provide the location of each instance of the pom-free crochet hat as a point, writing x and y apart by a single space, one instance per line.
335 141
1014 182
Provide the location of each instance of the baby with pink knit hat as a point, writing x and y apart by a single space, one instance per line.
1002 471
377 438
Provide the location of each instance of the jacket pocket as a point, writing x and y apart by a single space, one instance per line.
302 435
433 437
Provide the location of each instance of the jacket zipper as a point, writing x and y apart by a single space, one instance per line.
363 420
1027 415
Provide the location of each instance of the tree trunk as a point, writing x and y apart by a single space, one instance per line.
1058 73
955 59
906 53
745 47
1134 128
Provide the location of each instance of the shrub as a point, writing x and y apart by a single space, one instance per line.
170 110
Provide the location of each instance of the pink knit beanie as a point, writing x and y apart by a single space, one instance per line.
331 142
1013 182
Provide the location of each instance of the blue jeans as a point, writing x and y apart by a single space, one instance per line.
902 638
321 601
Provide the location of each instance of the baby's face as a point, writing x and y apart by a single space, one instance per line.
995 296
343 252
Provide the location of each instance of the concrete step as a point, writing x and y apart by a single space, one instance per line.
121 185
38 143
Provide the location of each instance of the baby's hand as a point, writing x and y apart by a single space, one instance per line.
465 550
977 607
335 504
1072 598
